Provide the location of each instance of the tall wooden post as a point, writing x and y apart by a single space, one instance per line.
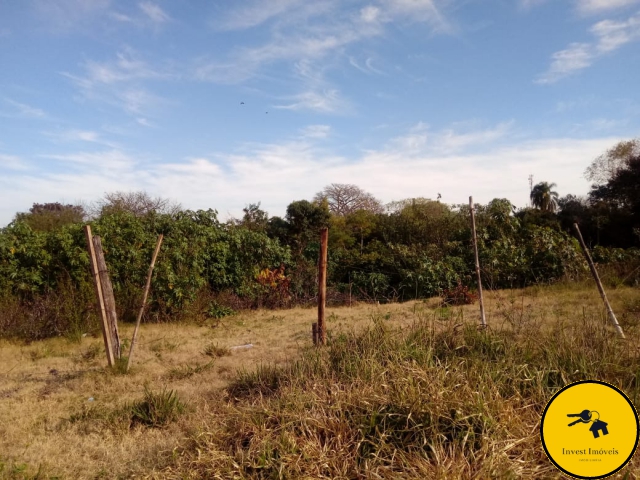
596 277
144 299
483 320
107 295
106 331
322 285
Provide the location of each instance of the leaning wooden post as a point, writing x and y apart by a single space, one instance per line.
144 300
106 332
475 250
107 296
322 285
596 277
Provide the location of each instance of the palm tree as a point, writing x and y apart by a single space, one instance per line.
544 198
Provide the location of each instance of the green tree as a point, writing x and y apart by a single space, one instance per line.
47 217
544 198
254 218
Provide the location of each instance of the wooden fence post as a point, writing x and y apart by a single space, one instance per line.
107 295
314 333
475 250
322 285
106 331
144 299
596 277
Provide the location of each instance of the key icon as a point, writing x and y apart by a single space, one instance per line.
583 417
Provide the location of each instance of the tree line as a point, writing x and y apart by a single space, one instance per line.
411 248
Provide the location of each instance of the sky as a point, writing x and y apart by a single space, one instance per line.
219 104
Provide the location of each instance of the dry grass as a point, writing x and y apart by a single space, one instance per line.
330 415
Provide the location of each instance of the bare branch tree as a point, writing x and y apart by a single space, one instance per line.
139 203
606 166
344 199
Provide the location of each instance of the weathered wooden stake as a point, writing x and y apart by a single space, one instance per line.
107 295
322 285
314 333
144 300
106 331
596 277
475 250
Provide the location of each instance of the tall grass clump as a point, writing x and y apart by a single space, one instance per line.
425 402
156 409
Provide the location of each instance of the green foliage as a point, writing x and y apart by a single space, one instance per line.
197 252
47 217
543 197
155 409
216 310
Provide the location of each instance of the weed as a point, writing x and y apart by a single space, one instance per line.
214 350
92 352
458 295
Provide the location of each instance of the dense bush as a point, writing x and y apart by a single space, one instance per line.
417 249
197 252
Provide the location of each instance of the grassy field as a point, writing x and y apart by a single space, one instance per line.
407 390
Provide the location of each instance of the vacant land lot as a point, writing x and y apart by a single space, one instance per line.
64 414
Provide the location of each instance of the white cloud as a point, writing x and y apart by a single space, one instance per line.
370 13
528 4
327 101
252 14
565 62
457 162
589 7
112 163
119 82
154 12
23 110
613 34
12 162
610 36
144 122
316 131
311 31
75 135
427 11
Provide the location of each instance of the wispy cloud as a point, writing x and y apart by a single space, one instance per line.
328 101
254 13
12 162
67 15
366 66
316 131
154 12
610 36
589 7
421 139
120 82
112 163
528 4
22 110
81 136
314 35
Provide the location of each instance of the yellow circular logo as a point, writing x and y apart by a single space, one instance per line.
589 429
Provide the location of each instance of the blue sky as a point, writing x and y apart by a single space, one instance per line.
404 98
